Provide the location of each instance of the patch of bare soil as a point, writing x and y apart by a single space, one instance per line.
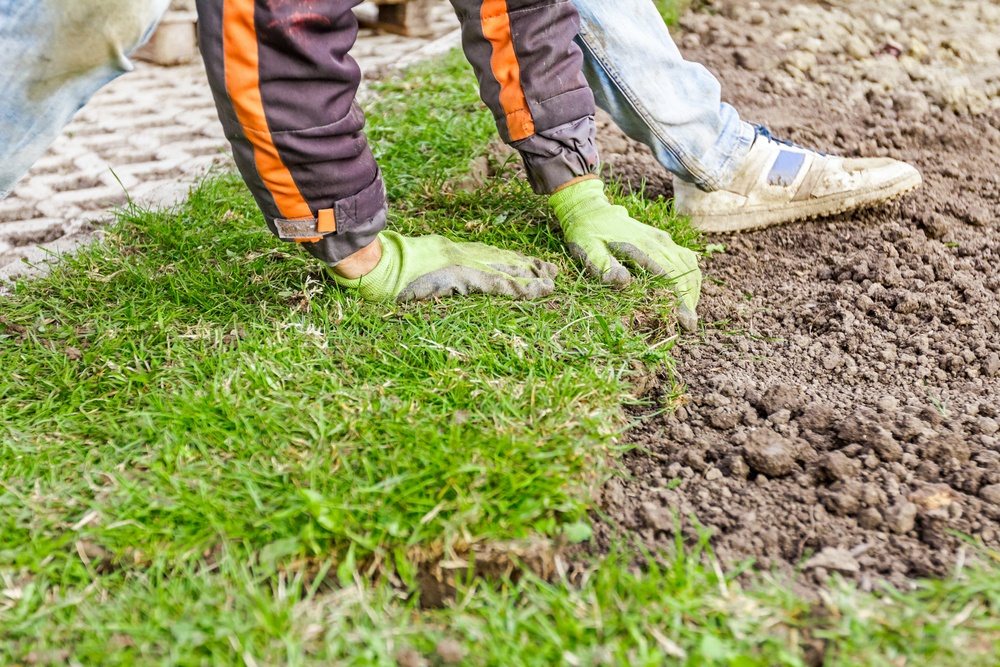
844 399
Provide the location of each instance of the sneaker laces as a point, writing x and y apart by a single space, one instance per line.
766 134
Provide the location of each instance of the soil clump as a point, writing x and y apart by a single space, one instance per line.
843 406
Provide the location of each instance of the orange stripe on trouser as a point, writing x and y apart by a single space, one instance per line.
242 66
496 29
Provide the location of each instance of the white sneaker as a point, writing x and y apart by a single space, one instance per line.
781 182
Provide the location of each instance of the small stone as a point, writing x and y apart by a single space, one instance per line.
992 365
842 499
450 652
834 560
713 474
769 453
991 493
695 460
902 518
865 304
803 61
933 497
870 518
682 433
887 404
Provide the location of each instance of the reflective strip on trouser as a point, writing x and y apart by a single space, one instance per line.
529 72
285 90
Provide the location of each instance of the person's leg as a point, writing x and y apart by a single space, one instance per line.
285 87
529 72
57 54
729 176
656 97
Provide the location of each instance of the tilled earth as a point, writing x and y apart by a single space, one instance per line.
844 397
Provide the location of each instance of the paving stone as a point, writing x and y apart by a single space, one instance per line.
153 133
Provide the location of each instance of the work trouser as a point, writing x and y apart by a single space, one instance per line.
285 88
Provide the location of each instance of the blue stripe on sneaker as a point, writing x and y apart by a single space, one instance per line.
786 168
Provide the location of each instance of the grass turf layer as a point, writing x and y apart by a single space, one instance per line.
200 437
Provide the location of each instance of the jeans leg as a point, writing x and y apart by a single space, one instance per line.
656 97
57 54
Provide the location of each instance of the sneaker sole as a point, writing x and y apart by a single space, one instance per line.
732 223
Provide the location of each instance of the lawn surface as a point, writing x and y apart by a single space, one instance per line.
209 454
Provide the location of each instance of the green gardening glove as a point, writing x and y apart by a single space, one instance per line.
598 234
428 267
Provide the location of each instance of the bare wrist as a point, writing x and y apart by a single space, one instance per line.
361 262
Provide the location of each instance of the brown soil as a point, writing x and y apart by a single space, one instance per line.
844 397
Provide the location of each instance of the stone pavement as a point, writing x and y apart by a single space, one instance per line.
148 137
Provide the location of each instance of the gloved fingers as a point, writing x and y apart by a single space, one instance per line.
465 280
529 268
634 255
687 318
599 263
680 266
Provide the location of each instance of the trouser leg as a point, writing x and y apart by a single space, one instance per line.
529 72
285 89
656 97
56 55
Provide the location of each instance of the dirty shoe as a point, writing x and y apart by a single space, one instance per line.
781 182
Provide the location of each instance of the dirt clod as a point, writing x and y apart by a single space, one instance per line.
991 494
769 454
902 518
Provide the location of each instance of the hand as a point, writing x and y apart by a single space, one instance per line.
598 234
427 267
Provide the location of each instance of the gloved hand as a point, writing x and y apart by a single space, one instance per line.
427 267
598 233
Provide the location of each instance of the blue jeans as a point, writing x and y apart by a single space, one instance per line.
57 54
60 52
656 97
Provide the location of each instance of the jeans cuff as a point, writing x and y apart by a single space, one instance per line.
726 157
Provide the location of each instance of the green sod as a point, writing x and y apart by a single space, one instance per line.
209 454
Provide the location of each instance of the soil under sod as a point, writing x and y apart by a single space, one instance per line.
845 406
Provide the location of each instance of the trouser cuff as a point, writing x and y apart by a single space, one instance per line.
555 157
335 234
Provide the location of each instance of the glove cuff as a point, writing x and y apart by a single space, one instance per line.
579 201
376 285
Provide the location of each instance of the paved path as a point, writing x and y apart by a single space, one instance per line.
152 133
